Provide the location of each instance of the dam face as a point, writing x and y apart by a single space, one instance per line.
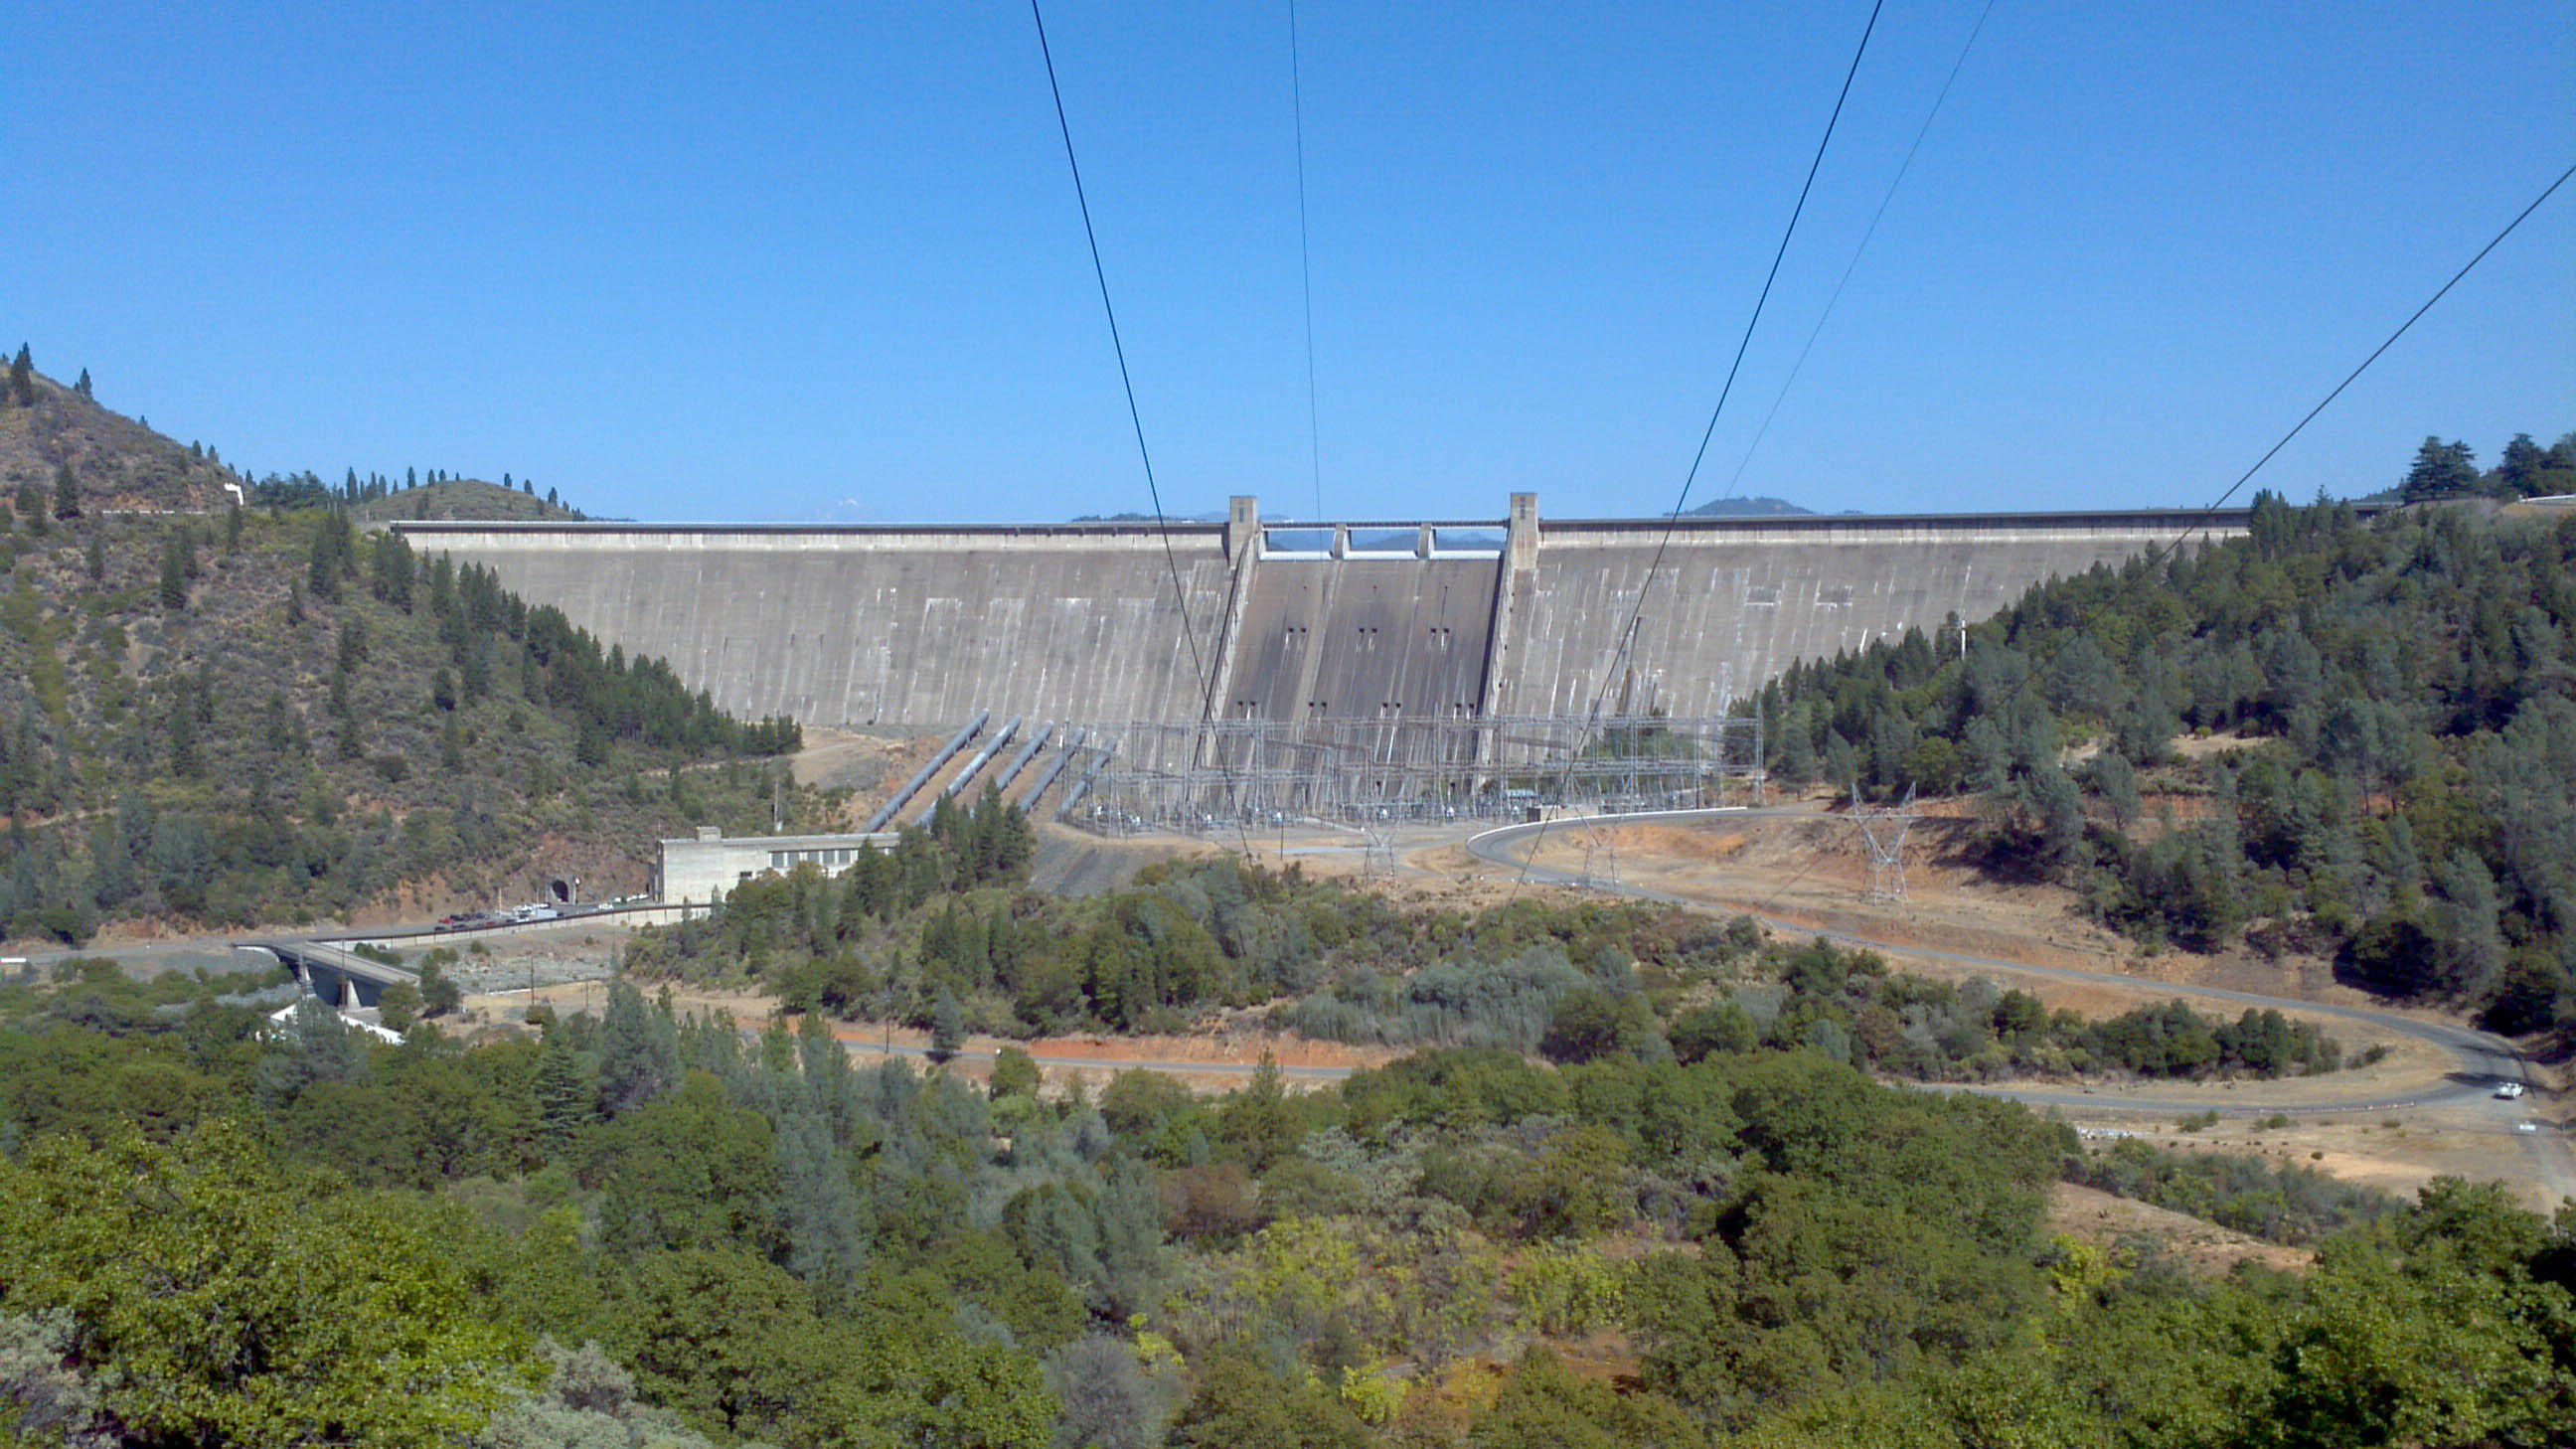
1396 624
903 627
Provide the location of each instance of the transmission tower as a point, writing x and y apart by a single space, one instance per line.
1603 841
1884 827
1379 861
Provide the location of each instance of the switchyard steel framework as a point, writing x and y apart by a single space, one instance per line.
1885 827
1225 773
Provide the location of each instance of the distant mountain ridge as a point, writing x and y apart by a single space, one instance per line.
1750 508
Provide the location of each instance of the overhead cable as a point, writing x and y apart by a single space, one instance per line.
1654 566
1305 267
1866 234
1199 667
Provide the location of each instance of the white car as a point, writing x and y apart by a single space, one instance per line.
2509 1090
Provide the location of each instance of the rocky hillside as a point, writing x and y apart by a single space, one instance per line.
115 462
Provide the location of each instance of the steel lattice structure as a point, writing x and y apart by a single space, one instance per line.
1885 827
1228 772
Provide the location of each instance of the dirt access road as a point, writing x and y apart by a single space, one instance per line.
2437 1069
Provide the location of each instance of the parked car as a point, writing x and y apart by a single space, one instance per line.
2509 1090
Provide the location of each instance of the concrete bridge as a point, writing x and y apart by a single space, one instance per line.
1390 623
337 975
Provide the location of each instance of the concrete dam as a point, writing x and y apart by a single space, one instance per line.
1290 651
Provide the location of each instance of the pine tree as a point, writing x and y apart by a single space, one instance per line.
639 1057
947 1027
1258 1118
185 762
564 1099
174 578
2441 470
83 385
22 378
66 492
818 1206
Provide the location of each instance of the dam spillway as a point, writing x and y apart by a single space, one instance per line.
1405 625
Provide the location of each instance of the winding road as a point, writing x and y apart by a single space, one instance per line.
2481 1060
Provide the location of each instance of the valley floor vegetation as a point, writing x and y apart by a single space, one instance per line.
935 932
635 1229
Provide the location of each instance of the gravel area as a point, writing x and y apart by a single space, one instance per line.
576 953
480 976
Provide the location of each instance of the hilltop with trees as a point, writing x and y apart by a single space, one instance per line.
466 498
57 437
56 440
2446 472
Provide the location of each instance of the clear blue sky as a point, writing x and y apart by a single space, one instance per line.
740 263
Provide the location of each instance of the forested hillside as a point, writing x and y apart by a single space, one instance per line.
642 1231
247 716
2329 735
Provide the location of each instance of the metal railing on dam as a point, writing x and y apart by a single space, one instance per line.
917 626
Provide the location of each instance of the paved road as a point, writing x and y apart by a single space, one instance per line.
2479 1060
147 959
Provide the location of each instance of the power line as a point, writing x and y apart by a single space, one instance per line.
2160 554
1866 234
1758 302
1305 267
1199 668
1180 595
1654 566
2349 378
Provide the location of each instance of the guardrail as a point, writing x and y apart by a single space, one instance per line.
653 913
